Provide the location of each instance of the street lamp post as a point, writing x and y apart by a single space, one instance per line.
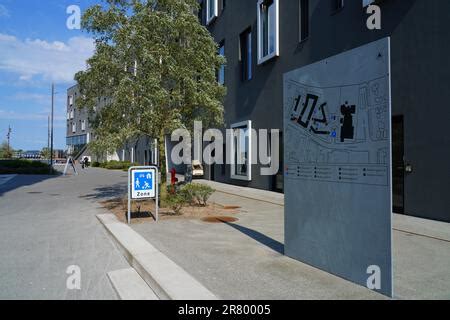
51 130
48 136
9 139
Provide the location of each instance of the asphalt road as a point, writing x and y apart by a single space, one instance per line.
48 224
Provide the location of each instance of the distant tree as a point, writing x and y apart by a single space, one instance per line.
6 151
157 66
45 153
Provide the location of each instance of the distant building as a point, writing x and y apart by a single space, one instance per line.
37 155
79 134
32 155
59 154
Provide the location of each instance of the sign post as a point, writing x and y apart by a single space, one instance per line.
70 162
143 184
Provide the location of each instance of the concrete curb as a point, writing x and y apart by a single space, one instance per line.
168 280
130 286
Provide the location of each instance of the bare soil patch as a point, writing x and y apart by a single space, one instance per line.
143 212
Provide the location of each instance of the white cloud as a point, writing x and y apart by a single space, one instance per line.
52 61
6 37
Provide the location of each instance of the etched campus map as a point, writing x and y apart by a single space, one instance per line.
339 133
337 151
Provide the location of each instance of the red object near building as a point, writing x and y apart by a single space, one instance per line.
173 179
173 176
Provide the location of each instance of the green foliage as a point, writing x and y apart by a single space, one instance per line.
176 202
193 193
23 167
178 196
22 164
96 164
45 153
198 193
174 82
172 189
5 151
117 165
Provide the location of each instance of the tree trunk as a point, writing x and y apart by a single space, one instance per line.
162 159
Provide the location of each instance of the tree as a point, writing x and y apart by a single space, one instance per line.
45 153
6 151
156 65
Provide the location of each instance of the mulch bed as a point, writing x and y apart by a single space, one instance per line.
142 212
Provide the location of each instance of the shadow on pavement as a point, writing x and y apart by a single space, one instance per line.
261 238
109 192
23 181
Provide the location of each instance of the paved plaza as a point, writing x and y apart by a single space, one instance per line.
48 223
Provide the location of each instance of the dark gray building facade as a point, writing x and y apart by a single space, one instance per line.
264 39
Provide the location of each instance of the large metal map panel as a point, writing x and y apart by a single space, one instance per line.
338 165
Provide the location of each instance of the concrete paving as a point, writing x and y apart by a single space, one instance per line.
47 224
244 260
167 279
130 286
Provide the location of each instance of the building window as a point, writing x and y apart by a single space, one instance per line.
241 168
74 127
83 125
221 72
304 19
268 26
77 140
246 55
337 4
70 101
211 10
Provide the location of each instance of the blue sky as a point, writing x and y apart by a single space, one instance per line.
36 49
